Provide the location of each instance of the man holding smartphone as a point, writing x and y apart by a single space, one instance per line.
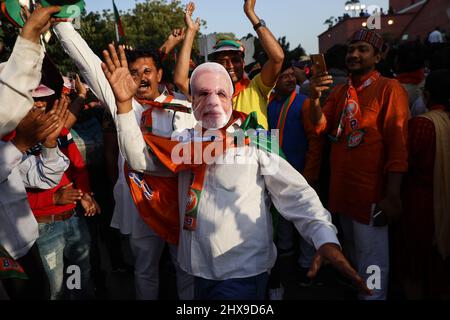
366 119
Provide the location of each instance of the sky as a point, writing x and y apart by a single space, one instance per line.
301 21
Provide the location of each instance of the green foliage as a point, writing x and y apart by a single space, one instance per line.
150 22
146 26
8 35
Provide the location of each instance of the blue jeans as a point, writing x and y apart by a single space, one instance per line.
253 288
68 240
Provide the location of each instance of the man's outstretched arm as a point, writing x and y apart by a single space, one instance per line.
131 142
87 62
181 74
271 69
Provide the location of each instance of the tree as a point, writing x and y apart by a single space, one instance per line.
150 22
330 22
8 35
146 26
296 53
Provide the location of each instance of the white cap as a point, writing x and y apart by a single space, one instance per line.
42 91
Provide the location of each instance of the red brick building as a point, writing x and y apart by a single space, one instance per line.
410 20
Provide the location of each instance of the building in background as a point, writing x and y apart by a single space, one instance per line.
406 20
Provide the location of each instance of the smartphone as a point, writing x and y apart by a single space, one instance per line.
379 217
320 66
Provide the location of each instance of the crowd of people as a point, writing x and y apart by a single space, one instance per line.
229 172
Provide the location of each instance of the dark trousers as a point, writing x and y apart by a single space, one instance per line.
252 288
37 286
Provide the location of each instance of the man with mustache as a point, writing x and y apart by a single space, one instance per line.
250 95
146 70
225 238
366 119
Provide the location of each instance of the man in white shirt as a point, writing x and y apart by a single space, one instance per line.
147 246
229 247
18 228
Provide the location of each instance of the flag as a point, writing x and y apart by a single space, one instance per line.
120 33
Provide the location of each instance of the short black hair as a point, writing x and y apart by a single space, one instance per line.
133 55
286 65
437 84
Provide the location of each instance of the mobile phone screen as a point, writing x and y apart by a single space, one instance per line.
379 217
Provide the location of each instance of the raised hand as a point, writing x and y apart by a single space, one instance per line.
79 87
34 128
119 77
176 36
60 109
319 84
67 195
189 22
38 22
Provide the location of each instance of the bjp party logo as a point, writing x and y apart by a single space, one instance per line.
192 200
351 109
355 138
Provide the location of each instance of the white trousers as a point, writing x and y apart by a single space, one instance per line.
147 253
368 249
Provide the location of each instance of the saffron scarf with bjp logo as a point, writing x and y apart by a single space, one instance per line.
157 198
351 117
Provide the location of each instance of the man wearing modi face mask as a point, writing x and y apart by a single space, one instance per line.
212 90
225 225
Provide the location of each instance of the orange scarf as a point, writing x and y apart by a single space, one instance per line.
153 196
351 116
283 113
156 198
165 105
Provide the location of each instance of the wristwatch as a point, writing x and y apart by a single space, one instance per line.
261 23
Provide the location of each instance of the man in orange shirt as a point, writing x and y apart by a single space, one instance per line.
366 119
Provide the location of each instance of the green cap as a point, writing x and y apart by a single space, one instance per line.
11 9
69 9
